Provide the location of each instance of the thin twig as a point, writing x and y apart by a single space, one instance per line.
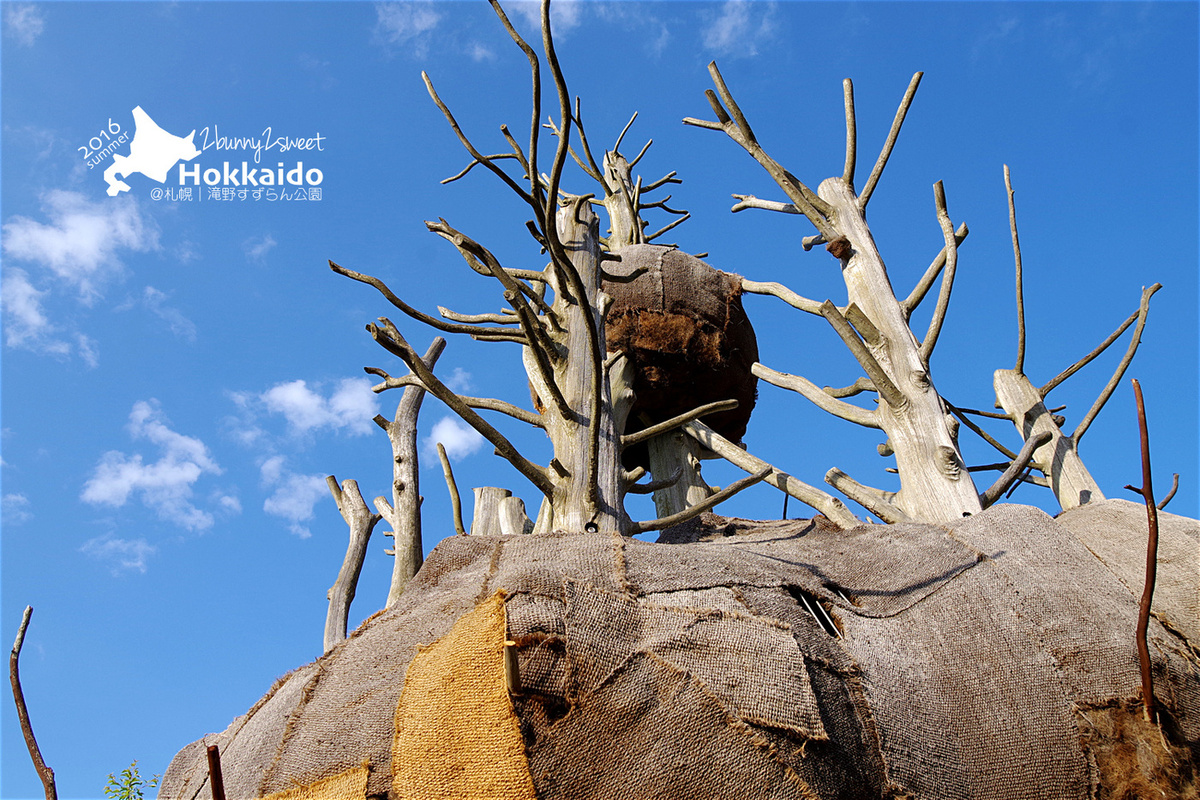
1014 470
654 486
1174 488
962 417
630 439
699 508
783 293
420 316
535 198
1012 224
1143 623
1143 312
44 772
455 500
951 250
858 387
886 153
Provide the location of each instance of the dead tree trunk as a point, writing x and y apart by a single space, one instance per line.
935 485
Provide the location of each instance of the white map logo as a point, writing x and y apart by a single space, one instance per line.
152 152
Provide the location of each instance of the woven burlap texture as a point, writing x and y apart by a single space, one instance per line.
694 670
457 737
348 785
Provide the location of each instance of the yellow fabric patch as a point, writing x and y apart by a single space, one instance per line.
457 736
348 785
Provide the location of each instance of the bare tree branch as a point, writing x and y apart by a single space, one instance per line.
699 508
655 486
805 387
1143 313
1013 472
783 293
750 201
909 304
505 317
886 153
738 129
858 387
420 316
455 500
1143 623
1012 224
874 500
1083 362
504 407
14 675
393 342
851 133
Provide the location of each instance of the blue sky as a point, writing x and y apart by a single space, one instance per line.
179 376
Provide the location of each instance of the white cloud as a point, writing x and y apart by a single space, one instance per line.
23 22
256 248
459 439
181 326
408 24
14 509
351 407
25 324
740 28
565 15
294 495
87 350
83 240
125 554
480 52
164 486
459 380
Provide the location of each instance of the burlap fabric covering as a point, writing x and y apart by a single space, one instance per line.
682 324
974 660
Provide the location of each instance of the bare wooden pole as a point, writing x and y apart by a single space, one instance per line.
44 772
1147 492
455 500
361 522
403 513
1012 224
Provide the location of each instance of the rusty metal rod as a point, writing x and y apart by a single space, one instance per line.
1143 623
214 773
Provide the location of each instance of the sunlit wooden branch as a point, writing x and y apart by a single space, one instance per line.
734 124
876 501
851 133
835 510
505 317
809 390
452 487
1016 242
1130 351
654 486
879 378
869 188
630 439
783 293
